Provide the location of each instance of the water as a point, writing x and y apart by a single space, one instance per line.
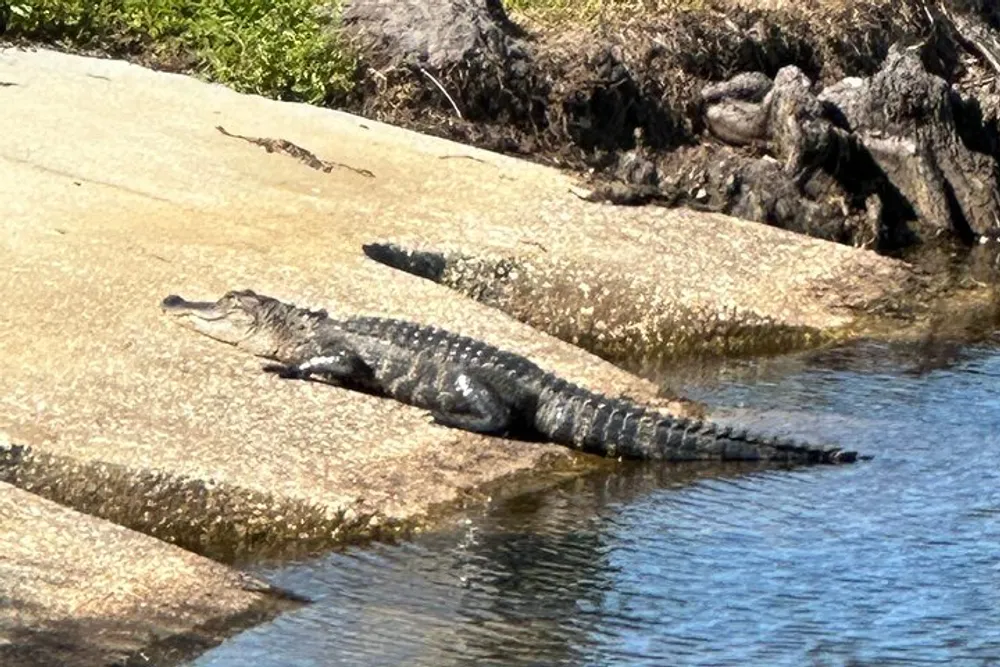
893 561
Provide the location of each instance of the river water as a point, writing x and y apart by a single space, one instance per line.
891 561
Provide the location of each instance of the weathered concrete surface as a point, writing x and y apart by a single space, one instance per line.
627 314
116 592
116 189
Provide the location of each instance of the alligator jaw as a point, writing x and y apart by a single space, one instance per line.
212 319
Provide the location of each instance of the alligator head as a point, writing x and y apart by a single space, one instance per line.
252 322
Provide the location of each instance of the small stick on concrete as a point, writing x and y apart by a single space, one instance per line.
462 157
293 150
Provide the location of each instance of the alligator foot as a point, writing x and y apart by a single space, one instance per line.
485 423
285 371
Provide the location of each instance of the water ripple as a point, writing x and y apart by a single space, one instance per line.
893 561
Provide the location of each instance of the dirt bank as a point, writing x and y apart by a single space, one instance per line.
870 123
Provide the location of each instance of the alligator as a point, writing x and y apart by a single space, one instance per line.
468 384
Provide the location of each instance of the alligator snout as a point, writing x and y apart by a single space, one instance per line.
176 305
172 301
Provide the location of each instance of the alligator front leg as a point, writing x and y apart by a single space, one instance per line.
471 405
340 365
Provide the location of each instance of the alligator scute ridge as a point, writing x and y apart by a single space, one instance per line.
468 384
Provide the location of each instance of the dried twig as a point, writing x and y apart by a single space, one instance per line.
292 150
445 92
980 42
463 157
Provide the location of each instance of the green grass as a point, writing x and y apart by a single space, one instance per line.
587 12
285 49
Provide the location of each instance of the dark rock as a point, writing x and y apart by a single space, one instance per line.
761 190
746 86
462 57
736 122
907 119
435 34
793 185
845 100
886 161
800 135
789 119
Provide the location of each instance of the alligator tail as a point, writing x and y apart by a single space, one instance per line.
585 420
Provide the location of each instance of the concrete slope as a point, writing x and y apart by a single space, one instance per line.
116 189
115 593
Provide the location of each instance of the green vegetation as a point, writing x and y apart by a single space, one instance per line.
286 49
553 12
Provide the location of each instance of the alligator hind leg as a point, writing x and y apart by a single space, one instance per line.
471 405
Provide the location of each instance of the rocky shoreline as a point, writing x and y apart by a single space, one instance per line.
873 125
